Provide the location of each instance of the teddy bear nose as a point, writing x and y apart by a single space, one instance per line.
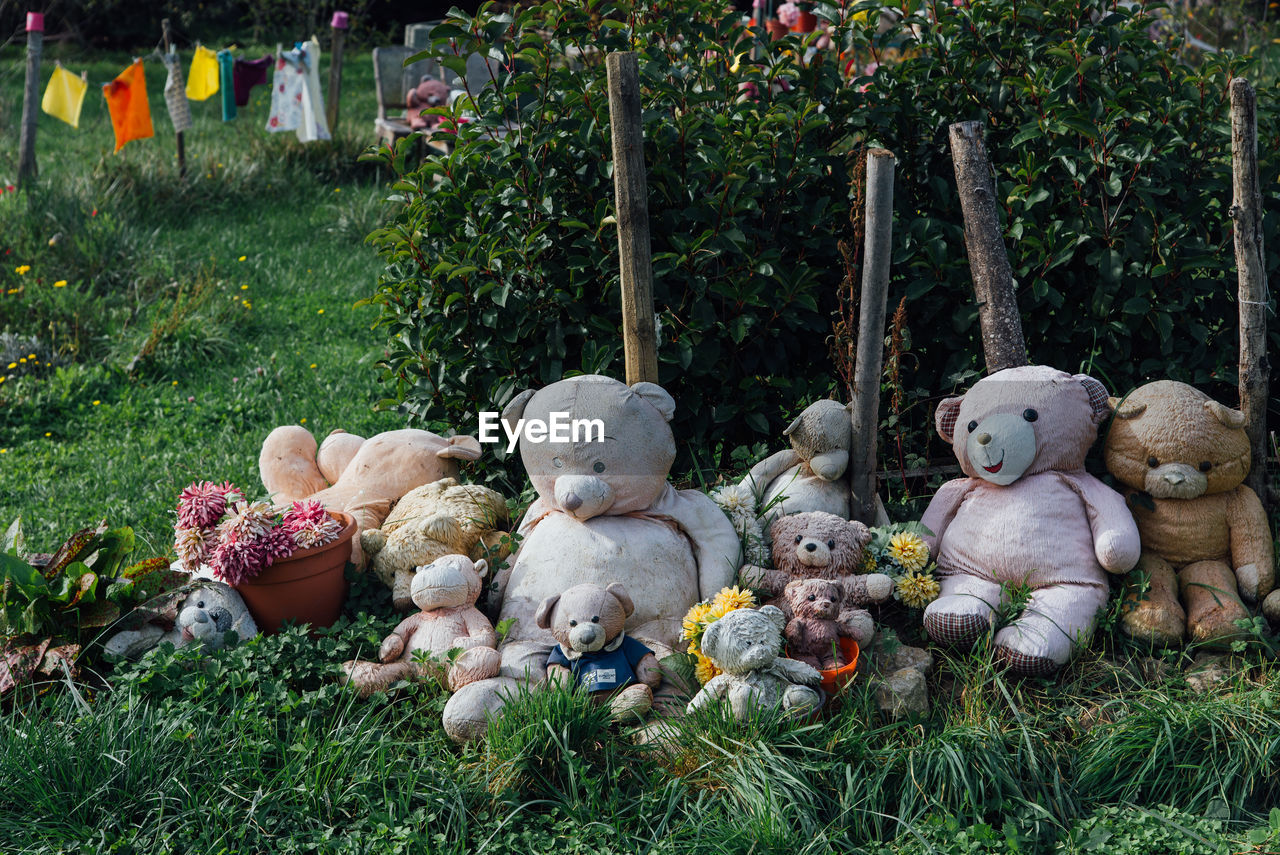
811 546
1174 477
983 439
572 502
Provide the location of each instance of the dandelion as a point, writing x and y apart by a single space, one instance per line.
244 287
4 451
337 189
916 590
61 283
242 258
909 550
246 304
303 421
96 403
13 365
175 383
319 311
22 360
48 433
22 269
313 365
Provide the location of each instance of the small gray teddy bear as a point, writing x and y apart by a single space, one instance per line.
745 644
205 615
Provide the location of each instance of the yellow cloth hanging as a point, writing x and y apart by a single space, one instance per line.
202 82
64 96
127 102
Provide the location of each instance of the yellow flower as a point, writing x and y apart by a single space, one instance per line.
704 669
175 383
242 258
695 620
909 550
96 403
319 311
313 365
61 283
47 433
22 269
13 365
246 304
22 359
917 590
4 451
304 420
732 598
337 189
244 287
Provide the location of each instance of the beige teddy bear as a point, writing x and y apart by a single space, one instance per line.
441 518
445 590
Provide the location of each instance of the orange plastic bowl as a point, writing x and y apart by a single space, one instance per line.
836 679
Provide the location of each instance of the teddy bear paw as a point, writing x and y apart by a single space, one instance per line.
1247 576
958 630
879 587
1025 664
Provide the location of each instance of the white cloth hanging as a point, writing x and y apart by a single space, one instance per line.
296 104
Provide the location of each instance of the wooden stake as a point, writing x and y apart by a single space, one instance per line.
339 24
182 144
639 335
1246 211
869 364
1002 341
27 169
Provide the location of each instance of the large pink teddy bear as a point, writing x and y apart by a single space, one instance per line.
1027 515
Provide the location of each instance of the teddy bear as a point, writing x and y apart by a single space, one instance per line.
446 591
745 645
1205 537
357 476
819 545
595 652
1027 516
199 613
813 633
436 519
604 512
430 92
808 476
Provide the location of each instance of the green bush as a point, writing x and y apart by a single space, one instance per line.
1112 167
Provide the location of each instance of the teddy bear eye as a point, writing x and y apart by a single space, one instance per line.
973 426
1152 461
1030 414
812 597
595 618
557 462
799 538
598 467
831 544
1205 466
200 604
573 623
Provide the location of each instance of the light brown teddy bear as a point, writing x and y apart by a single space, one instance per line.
418 648
1204 533
593 651
360 477
436 519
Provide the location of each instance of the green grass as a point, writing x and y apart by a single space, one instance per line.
152 372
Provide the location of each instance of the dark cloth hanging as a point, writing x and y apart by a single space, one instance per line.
247 74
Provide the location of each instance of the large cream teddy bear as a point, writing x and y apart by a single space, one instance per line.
360 477
604 513
1205 538
1027 515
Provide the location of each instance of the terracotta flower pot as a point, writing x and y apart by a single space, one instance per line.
806 22
834 681
307 587
776 28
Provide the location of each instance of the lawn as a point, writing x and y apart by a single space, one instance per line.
197 315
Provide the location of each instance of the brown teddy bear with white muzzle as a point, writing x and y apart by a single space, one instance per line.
595 653
1205 539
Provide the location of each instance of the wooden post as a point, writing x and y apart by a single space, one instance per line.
182 144
30 100
341 21
1246 211
878 247
1002 341
631 193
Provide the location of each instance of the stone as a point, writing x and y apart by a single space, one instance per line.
900 657
904 692
1206 671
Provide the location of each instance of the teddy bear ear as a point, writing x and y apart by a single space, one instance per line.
461 448
514 409
775 615
481 568
945 418
794 426
1099 400
861 533
656 395
620 594
709 637
1224 414
543 616
1125 411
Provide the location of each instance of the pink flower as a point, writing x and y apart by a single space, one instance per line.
201 505
234 561
247 521
788 14
305 512
194 546
277 543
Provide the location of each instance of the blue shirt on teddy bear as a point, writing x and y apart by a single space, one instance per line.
603 670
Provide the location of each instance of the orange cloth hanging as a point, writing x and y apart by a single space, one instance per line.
127 102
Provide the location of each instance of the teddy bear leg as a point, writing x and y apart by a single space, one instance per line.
467 714
371 677
800 699
963 611
1057 623
1213 604
631 703
1153 616
476 663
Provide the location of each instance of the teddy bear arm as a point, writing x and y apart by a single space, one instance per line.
714 690
558 675
763 473
1116 542
393 645
796 635
479 631
1251 544
771 582
648 671
942 510
795 671
716 546
864 590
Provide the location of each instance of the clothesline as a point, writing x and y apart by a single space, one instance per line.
296 100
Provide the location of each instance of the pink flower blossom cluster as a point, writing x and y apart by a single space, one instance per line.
310 524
